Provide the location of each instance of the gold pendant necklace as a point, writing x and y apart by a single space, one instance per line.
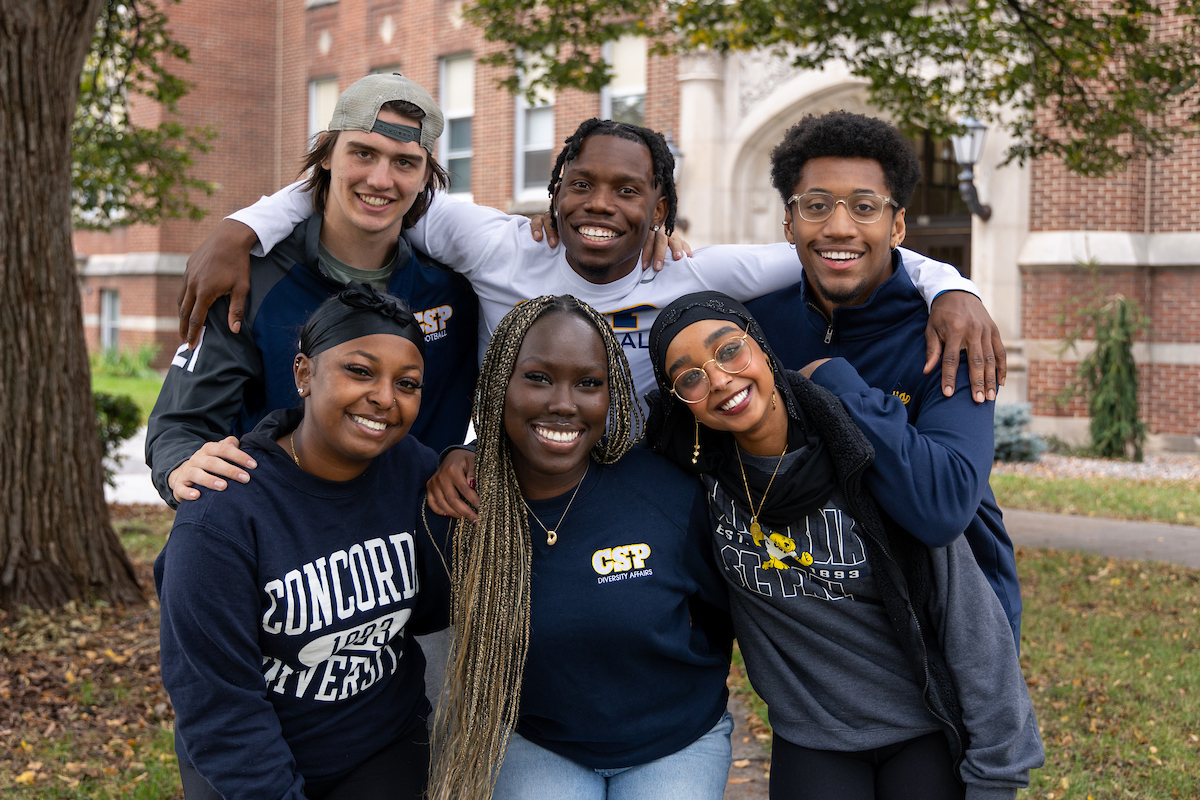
552 535
755 528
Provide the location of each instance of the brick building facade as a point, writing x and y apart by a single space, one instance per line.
265 75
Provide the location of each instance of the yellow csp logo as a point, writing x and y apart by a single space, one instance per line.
620 559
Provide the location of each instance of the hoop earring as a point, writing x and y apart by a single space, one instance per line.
696 449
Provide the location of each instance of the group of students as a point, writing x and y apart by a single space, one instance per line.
827 506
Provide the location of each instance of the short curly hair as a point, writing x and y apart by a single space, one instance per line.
841 134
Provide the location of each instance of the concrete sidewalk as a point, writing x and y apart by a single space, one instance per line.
1156 541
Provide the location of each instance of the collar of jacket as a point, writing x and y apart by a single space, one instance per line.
312 238
889 307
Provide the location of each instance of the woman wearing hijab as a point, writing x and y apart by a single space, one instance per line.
289 604
888 666
591 642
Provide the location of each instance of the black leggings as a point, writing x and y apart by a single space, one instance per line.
397 772
919 769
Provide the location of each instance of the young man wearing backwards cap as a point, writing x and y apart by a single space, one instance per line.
371 175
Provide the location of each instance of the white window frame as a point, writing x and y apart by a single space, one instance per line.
110 319
607 94
452 113
520 193
316 125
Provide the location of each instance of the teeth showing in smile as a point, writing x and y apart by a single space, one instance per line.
367 423
374 201
839 255
557 436
733 401
596 233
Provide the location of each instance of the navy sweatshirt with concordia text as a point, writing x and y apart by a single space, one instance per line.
629 630
933 454
288 610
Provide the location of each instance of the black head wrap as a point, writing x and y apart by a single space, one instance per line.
359 311
671 428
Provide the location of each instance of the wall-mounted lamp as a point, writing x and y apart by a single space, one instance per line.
967 149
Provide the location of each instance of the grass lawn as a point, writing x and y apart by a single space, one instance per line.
144 391
1156 501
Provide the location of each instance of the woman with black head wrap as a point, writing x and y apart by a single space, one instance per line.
289 604
888 667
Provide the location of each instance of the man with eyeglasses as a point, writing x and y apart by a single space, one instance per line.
854 324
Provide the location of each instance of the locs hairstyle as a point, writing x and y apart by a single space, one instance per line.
318 178
841 134
491 563
660 155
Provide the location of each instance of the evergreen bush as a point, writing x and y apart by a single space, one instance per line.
1013 441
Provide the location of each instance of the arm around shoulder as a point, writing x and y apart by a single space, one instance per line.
929 476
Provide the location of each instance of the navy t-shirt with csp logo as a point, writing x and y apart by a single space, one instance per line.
629 633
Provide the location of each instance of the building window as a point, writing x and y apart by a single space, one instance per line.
322 97
110 318
458 106
624 99
534 143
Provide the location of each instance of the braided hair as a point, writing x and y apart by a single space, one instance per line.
491 563
660 156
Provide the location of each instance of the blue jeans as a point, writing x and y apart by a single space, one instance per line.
697 772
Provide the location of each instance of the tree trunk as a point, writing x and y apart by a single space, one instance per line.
56 542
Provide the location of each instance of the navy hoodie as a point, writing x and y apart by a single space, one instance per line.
289 606
933 454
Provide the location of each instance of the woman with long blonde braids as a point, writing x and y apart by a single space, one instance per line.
591 640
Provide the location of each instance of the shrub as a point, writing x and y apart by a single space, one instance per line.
125 363
1013 442
1107 376
117 419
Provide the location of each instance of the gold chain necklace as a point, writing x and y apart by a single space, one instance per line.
552 535
755 528
292 444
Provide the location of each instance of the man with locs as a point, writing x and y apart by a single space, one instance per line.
611 190
371 175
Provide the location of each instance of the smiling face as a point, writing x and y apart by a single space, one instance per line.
374 180
738 403
361 397
606 205
844 260
556 404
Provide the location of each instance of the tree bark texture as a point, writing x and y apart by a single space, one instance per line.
56 541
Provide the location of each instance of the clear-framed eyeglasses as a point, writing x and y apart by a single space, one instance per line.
732 355
863 207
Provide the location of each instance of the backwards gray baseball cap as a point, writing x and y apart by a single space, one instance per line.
358 107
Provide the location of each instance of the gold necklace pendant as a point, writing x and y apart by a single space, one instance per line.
756 529
552 535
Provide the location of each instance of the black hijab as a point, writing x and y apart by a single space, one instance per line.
671 429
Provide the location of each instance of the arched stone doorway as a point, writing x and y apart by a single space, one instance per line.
938 222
